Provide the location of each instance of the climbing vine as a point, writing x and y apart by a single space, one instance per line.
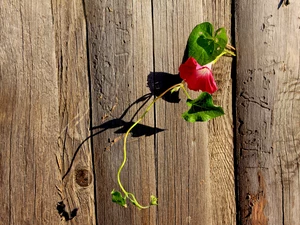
204 48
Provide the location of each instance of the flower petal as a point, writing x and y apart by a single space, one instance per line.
198 77
203 81
188 68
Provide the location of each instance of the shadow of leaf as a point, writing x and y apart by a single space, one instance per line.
159 82
139 130
61 209
114 123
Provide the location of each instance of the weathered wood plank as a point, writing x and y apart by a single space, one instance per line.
221 129
28 114
50 82
120 46
183 160
44 112
110 59
184 167
196 180
74 158
267 129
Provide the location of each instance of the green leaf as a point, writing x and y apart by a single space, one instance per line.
118 198
204 45
153 200
202 109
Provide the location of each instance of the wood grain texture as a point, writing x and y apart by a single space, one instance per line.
120 51
198 172
183 167
267 112
44 113
74 159
28 114
221 129
49 53
121 60
195 171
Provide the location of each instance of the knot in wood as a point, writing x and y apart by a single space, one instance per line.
83 177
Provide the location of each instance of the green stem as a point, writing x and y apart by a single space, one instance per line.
127 194
226 51
229 52
186 93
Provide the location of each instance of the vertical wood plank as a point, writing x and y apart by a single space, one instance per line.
196 179
221 129
183 161
267 118
74 158
28 114
120 51
44 113
286 118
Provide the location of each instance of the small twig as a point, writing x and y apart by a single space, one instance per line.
230 47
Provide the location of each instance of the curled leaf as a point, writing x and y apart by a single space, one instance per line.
153 200
118 198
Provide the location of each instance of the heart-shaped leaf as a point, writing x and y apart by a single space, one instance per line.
202 109
204 45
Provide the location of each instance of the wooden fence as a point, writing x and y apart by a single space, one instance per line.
73 76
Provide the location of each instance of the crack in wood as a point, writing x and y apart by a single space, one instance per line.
260 103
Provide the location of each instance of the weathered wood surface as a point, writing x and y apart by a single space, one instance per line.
184 188
201 172
57 58
74 158
220 130
127 45
267 123
120 53
28 114
44 112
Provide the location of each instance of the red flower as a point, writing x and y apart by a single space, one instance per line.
198 77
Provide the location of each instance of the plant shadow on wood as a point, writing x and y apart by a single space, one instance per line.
61 209
158 82
138 131
123 126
